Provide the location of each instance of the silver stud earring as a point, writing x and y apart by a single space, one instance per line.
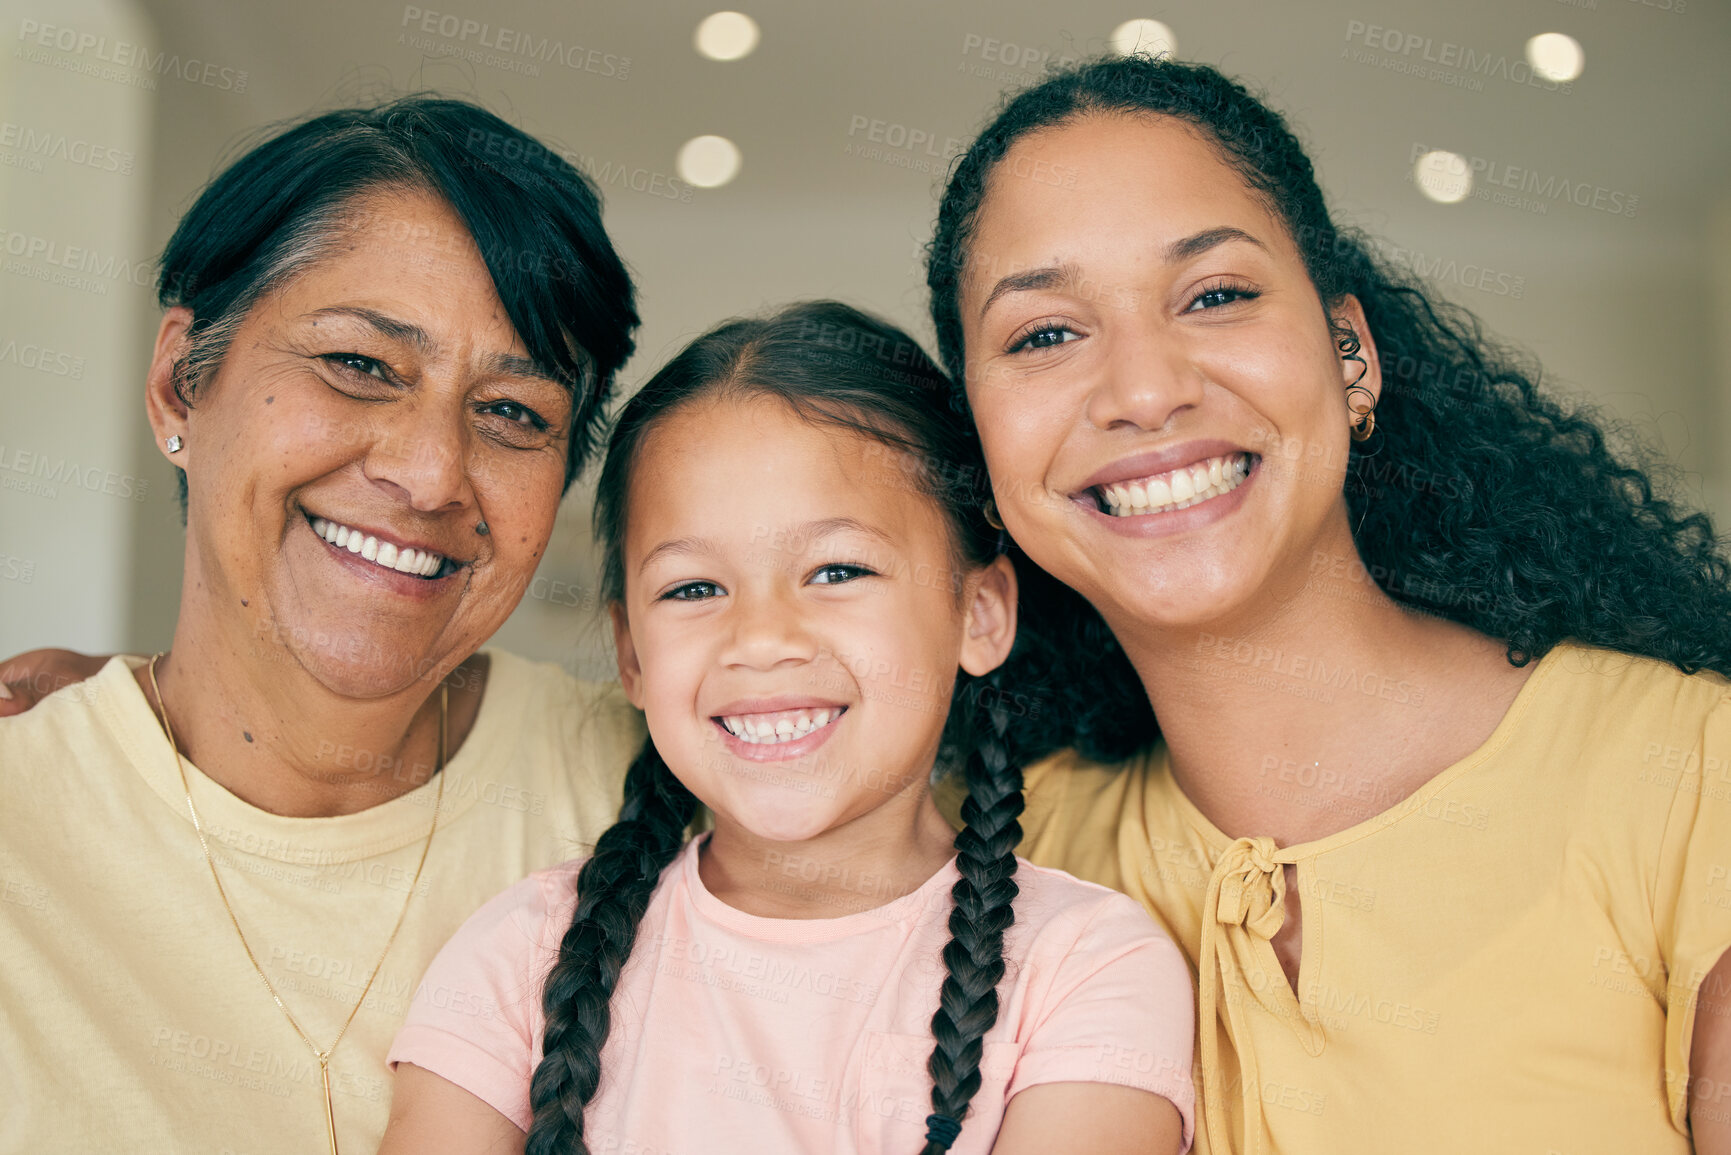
173 442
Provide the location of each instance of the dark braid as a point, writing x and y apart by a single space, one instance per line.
613 888
837 367
974 956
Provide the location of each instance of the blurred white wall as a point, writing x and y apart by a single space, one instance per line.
1629 310
76 263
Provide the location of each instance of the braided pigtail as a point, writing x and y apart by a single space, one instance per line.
974 957
613 889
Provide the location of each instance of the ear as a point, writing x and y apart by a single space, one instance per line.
163 404
991 617
630 670
1350 313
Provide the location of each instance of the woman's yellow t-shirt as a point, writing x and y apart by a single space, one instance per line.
1507 960
130 1017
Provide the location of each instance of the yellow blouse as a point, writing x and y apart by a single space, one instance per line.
1505 961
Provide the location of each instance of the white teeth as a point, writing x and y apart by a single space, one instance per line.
762 730
1180 489
383 553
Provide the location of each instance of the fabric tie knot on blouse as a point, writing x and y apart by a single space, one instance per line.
1252 888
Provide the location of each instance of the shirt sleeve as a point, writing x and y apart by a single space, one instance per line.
476 1017
1118 1007
1694 899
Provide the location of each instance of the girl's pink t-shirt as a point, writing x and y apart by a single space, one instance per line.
739 1034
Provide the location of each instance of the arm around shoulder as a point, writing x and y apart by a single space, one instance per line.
30 677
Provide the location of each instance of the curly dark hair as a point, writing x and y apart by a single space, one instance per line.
833 366
1481 497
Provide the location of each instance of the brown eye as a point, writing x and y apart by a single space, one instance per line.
355 362
1220 295
692 592
1044 337
519 415
837 573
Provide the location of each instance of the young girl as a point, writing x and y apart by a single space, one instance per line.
811 611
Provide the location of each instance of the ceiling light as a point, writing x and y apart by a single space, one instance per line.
727 36
708 161
1556 56
1444 177
1148 37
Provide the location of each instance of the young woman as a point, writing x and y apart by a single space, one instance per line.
800 574
1438 804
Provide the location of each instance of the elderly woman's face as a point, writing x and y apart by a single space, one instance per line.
365 420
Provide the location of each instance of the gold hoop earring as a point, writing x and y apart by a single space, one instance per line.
992 518
1363 419
1362 407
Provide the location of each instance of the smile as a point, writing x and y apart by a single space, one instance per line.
1175 489
781 726
384 554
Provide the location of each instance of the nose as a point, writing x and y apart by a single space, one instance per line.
419 452
767 632
1148 377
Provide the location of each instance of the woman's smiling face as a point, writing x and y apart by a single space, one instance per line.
1152 372
381 398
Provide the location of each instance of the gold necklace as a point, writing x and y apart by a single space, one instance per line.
324 1056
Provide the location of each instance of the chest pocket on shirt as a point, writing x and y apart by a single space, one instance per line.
893 1095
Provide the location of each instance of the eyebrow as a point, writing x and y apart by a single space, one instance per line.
493 364
810 531
1194 245
1059 275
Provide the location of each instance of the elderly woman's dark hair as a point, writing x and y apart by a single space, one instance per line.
1480 497
535 219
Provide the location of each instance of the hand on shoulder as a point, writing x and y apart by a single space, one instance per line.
31 676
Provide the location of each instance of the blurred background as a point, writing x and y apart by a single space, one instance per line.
1557 166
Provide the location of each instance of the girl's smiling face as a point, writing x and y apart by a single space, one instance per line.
1153 374
794 615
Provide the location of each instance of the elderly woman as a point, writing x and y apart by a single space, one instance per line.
388 340
1437 802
